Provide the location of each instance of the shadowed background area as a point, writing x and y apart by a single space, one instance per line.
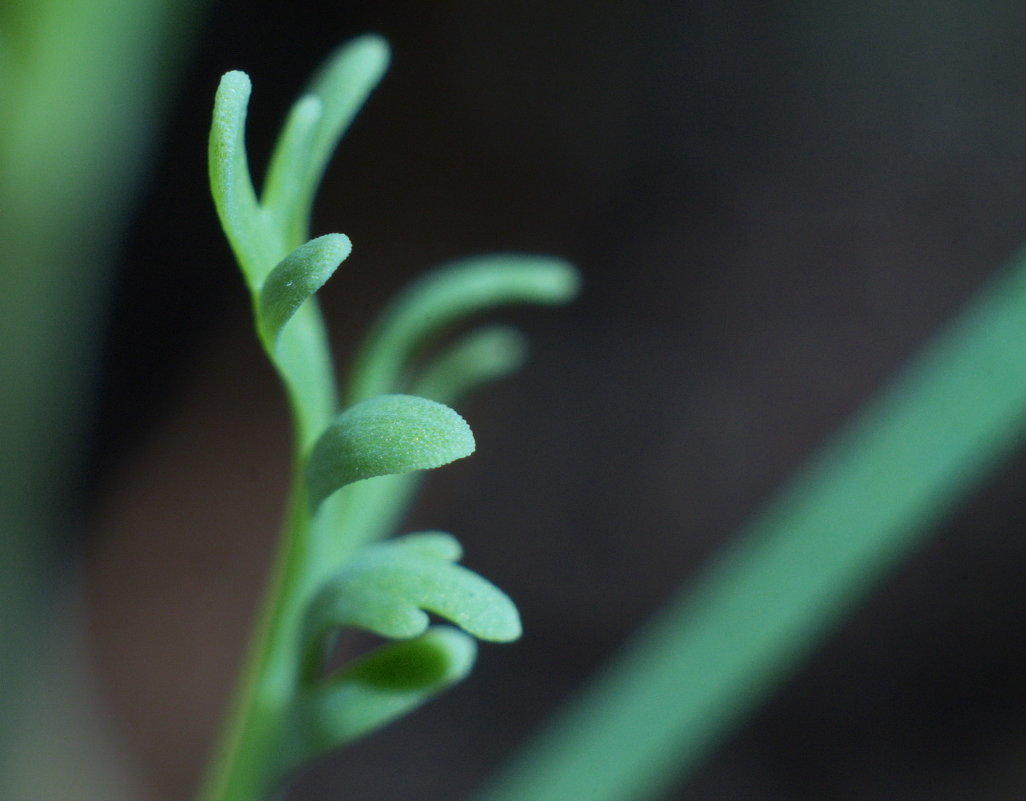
772 206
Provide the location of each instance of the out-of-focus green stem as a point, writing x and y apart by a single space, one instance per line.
796 569
74 122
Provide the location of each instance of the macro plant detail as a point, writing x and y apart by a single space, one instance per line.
354 464
72 148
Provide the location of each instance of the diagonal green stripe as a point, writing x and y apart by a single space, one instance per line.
722 645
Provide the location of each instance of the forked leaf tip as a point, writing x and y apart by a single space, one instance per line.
387 588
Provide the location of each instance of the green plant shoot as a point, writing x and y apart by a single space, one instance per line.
354 468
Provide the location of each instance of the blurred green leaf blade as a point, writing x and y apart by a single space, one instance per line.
446 297
301 156
479 357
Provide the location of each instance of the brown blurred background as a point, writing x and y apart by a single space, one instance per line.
772 204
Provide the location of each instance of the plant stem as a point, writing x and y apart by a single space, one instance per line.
249 756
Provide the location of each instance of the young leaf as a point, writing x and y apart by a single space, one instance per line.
484 355
302 154
445 297
230 181
286 174
296 278
343 85
382 686
382 436
386 588
373 508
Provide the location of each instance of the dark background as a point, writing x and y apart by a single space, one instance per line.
772 204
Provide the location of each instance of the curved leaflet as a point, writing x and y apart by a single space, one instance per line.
333 99
478 357
298 276
382 436
445 297
375 690
230 181
388 588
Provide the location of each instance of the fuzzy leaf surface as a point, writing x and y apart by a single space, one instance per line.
386 588
298 276
230 181
385 435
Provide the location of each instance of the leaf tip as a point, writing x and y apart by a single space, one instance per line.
236 79
566 281
373 49
499 621
233 90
